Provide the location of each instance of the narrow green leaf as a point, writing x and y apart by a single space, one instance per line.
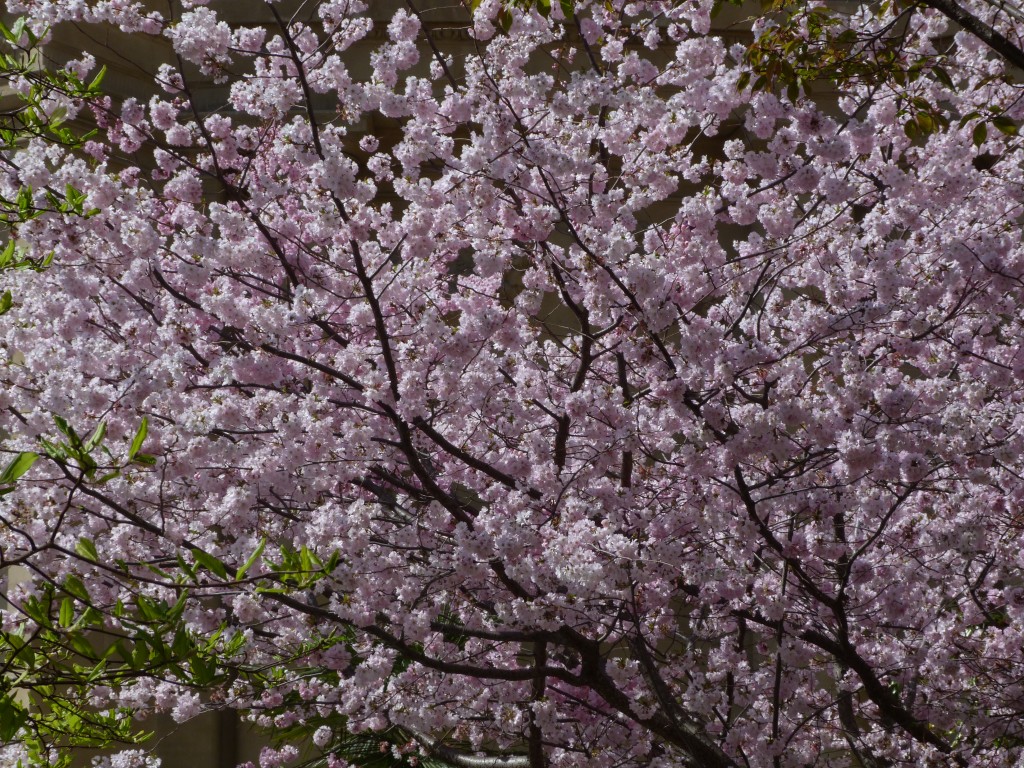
252 559
211 642
176 610
58 116
140 655
188 570
96 437
53 450
148 610
22 463
97 671
6 301
67 612
7 254
210 563
62 425
83 647
139 438
96 81
943 77
68 431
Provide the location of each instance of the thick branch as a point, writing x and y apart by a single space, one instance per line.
991 37
435 748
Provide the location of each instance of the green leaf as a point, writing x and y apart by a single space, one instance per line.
140 655
83 647
148 610
68 431
211 642
17 30
58 116
793 92
968 117
943 77
980 134
203 671
140 437
94 84
22 463
252 559
67 612
62 424
181 645
12 717
187 569
97 671
5 302
1005 125
7 254
306 559
210 563
96 437
87 549
53 450
175 612
74 587
847 37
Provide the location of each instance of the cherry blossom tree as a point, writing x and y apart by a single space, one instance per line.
641 396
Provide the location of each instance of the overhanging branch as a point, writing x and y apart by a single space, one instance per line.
994 39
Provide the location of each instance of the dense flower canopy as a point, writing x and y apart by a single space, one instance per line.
620 404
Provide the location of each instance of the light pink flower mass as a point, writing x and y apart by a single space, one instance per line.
594 411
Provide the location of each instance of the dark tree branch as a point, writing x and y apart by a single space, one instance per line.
994 39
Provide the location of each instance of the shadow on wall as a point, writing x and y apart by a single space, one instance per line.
210 740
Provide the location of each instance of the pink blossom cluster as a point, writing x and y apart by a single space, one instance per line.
644 418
